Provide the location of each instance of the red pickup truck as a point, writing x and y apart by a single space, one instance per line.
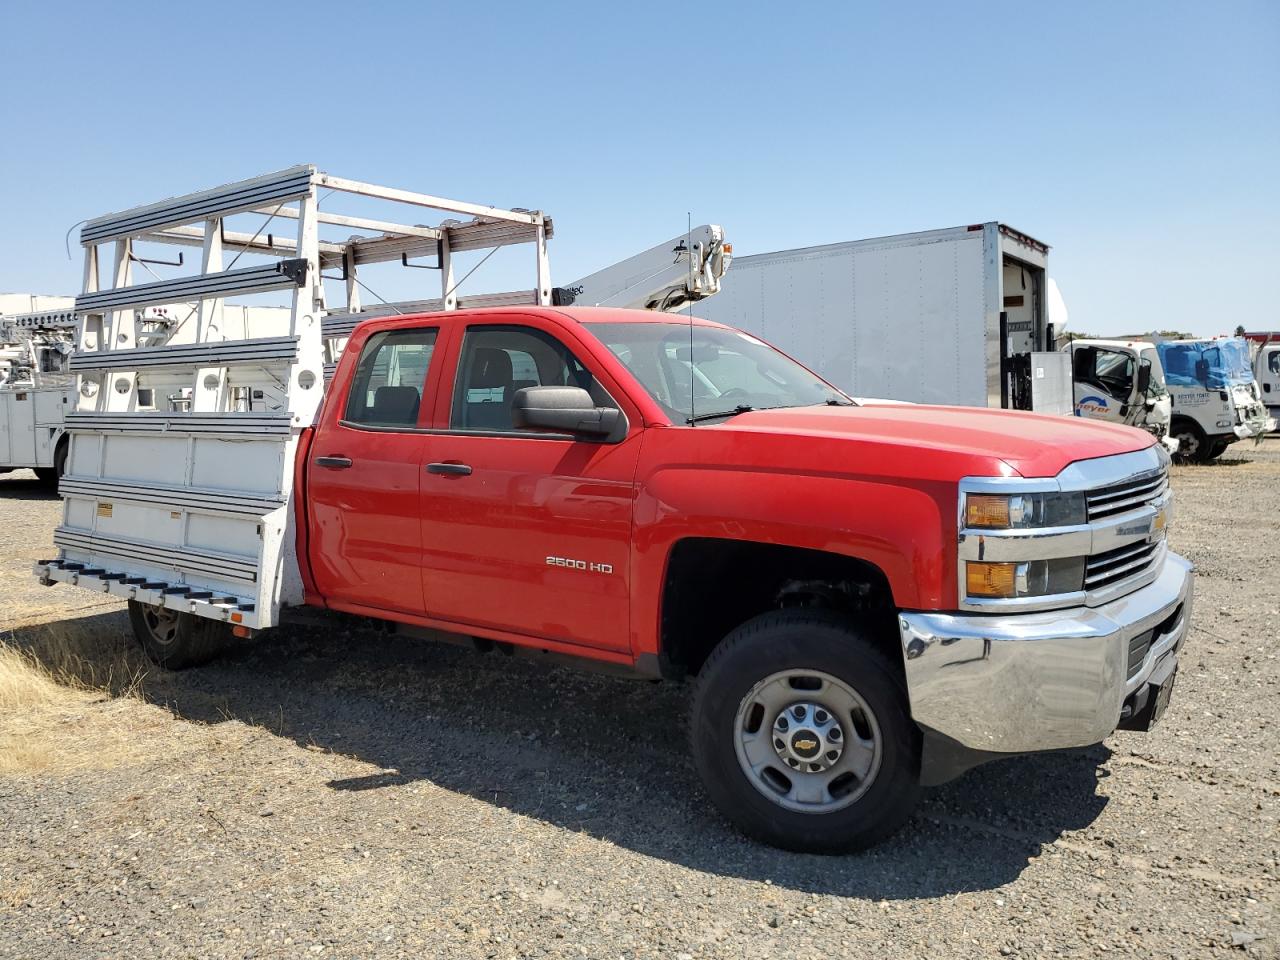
871 597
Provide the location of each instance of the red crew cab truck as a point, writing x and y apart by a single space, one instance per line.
869 597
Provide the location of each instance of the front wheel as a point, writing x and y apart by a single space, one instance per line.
176 640
1193 444
803 736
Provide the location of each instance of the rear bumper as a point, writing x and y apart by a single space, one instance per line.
1024 683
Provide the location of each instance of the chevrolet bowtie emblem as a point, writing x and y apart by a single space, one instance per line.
805 744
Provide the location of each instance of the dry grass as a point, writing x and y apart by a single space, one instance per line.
54 680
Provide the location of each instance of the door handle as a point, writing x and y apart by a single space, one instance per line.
334 463
450 469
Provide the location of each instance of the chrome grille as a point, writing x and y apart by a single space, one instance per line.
1131 560
1127 494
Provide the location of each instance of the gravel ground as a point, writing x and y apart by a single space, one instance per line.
334 791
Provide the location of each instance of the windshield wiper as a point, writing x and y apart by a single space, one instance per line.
833 402
740 408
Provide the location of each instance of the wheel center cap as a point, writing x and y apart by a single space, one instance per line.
805 744
807 737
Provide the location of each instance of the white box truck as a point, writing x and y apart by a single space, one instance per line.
1216 399
956 316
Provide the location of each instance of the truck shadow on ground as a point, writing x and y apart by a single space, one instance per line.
597 755
23 485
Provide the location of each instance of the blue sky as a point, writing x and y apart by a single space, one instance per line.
1140 140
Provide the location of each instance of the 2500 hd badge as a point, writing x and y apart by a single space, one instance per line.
570 564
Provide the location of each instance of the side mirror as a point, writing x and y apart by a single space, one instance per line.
564 410
1144 377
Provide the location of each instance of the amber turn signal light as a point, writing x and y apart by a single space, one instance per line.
991 580
986 510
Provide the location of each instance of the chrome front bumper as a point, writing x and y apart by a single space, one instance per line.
1020 683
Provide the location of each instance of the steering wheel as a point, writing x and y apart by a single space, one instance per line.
735 393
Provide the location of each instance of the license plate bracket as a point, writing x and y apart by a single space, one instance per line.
1151 700
1160 698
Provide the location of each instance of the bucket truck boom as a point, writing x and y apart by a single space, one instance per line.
683 270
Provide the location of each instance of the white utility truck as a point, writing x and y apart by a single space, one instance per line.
955 316
1122 381
1216 399
36 335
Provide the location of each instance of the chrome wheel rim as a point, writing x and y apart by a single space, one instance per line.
807 741
162 624
1188 444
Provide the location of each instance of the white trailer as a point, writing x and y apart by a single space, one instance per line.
955 316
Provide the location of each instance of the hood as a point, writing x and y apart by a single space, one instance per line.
1032 444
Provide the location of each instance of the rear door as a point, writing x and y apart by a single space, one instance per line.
524 531
365 472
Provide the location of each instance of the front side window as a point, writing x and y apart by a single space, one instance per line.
1109 370
721 371
497 361
390 378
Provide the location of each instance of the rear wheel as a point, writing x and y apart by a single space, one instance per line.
1193 445
176 640
803 736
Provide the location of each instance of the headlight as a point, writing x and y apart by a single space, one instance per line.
1031 578
1021 510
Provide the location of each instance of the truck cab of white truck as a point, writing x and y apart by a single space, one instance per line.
1122 381
1266 371
1216 398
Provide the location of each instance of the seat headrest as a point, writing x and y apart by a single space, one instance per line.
490 367
397 405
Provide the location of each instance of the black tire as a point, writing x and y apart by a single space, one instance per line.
1217 449
60 457
818 641
1193 444
174 640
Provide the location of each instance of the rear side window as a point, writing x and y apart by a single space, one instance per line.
390 378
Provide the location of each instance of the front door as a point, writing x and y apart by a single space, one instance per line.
525 531
364 476
1103 381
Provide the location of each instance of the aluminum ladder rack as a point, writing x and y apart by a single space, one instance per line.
179 481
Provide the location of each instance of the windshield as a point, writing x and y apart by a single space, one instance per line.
725 369
1213 364
1157 387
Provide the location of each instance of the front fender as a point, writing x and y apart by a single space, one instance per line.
905 529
